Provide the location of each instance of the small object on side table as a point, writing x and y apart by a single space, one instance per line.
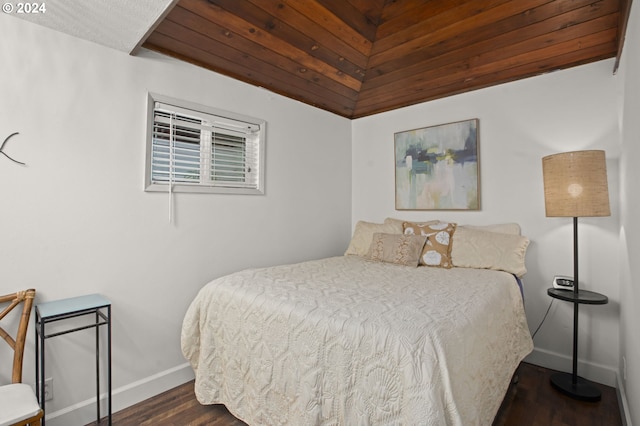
570 383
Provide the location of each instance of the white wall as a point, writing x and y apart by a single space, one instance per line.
76 220
66 236
521 122
629 214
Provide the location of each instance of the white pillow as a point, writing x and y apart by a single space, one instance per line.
400 222
363 235
502 228
474 248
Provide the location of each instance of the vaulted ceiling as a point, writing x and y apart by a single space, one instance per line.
360 57
357 57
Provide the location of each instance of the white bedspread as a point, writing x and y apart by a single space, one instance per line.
345 341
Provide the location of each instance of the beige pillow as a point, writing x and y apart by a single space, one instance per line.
437 249
502 228
400 223
473 248
363 234
397 248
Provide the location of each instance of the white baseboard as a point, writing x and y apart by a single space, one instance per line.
622 401
125 396
590 371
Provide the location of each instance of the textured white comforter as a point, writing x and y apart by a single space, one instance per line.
345 341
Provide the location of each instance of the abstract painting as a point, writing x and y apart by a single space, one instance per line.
437 167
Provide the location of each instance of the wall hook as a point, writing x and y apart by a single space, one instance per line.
4 153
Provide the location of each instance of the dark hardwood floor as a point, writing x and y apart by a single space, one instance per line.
532 402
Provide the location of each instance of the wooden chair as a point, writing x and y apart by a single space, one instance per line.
18 403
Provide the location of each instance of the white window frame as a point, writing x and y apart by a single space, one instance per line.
204 183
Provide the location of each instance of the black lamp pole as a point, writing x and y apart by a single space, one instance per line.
571 384
576 292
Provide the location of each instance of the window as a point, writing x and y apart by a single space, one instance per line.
194 148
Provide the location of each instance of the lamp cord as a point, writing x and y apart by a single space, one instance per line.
543 318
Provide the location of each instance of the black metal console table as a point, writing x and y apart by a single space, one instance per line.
58 310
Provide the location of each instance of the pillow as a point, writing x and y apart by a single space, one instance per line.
400 223
363 234
437 249
502 228
397 248
473 248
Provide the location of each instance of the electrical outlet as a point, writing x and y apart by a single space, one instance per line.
48 389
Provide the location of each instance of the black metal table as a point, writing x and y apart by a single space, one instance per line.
570 383
58 310
584 296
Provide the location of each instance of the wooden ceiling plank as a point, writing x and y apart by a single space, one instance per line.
466 70
394 8
530 23
458 49
371 9
462 17
459 18
265 14
187 52
555 45
203 32
314 31
314 39
351 16
237 62
246 30
625 12
324 17
413 14
366 107
490 62
243 72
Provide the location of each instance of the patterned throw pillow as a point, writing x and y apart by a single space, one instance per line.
437 250
397 248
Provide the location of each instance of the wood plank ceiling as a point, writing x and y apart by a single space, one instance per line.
360 57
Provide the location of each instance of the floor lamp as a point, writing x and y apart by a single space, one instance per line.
575 185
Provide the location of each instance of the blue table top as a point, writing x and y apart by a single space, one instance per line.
71 305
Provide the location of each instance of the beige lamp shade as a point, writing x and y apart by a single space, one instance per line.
575 184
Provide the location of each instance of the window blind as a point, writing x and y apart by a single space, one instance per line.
175 148
196 148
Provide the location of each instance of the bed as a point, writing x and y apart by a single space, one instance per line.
351 341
